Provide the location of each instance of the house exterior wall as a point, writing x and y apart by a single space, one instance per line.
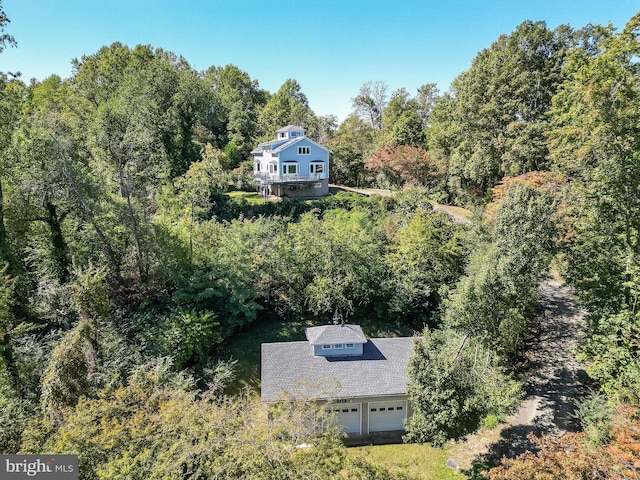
301 190
316 154
364 407
318 351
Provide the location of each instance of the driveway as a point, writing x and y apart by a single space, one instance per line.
555 380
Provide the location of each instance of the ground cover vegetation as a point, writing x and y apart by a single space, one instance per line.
131 262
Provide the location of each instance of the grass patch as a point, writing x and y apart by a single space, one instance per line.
244 347
250 197
417 461
463 212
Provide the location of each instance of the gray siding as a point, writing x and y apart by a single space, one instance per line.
337 352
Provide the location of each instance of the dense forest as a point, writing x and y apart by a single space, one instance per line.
129 261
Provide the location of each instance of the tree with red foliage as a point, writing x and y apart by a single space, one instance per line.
404 165
571 456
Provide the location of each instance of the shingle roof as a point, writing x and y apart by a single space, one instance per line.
279 144
290 142
291 369
289 128
276 142
335 334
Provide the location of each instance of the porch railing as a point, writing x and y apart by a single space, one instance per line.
286 178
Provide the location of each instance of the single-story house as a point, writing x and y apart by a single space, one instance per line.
291 164
365 379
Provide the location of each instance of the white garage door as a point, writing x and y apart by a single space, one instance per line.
348 417
385 416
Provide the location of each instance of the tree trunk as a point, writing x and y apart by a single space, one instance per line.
60 249
3 231
106 245
135 226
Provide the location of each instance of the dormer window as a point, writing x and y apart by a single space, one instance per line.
337 340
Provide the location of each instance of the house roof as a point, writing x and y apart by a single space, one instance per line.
279 144
290 128
291 369
279 148
260 147
326 334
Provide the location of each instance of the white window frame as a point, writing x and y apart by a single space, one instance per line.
313 167
304 150
349 345
287 165
338 346
326 347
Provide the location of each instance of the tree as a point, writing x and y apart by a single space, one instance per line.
427 254
595 143
288 106
40 187
5 38
494 122
350 145
11 93
240 100
403 166
159 425
570 456
66 378
330 263
404 119
426 99
455 381
497 296
370 103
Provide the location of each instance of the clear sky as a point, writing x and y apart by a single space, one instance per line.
331 47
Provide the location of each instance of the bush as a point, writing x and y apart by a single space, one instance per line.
595 414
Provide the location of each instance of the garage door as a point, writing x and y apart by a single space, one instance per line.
348 417
385 416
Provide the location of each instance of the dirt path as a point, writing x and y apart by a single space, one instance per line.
555 381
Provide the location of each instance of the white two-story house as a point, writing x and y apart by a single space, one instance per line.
291 165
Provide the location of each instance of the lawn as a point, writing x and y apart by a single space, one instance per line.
417 461
250 197
244 347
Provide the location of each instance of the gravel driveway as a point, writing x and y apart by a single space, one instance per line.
553 383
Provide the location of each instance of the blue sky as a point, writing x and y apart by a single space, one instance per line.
331 47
